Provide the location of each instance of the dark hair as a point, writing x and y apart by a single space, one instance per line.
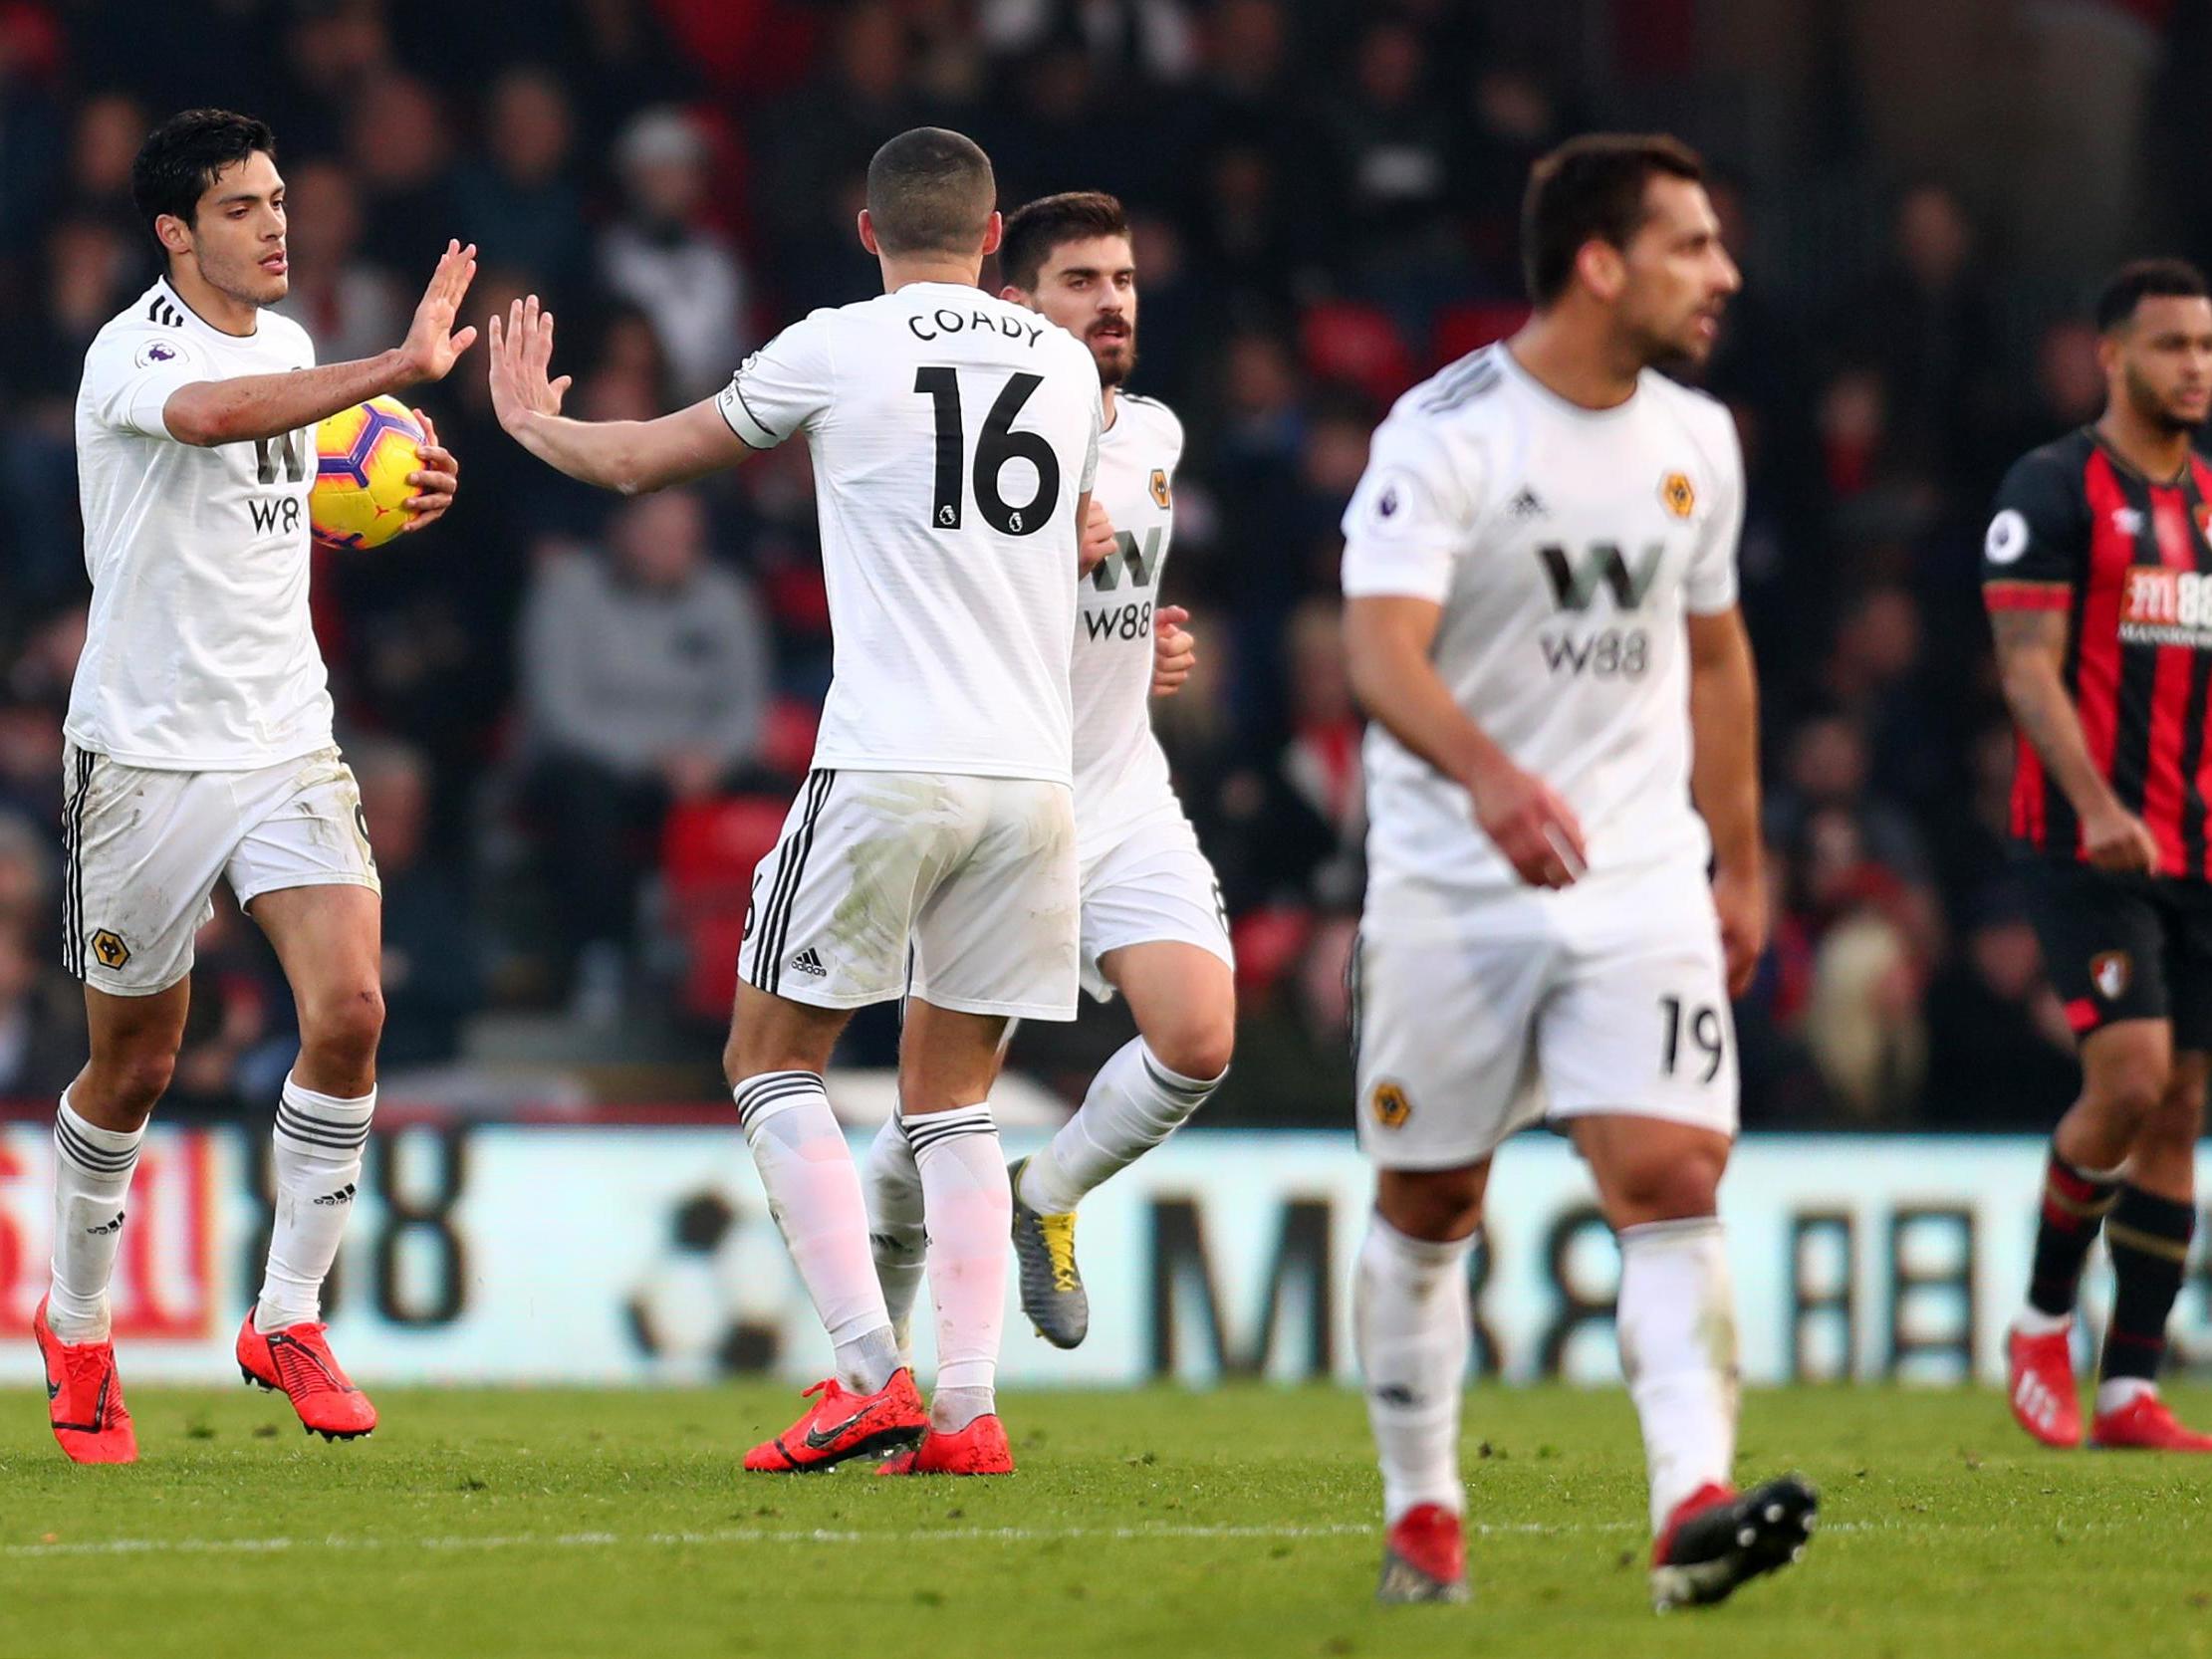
1036 228
2146 279
181 157
931 190
1592 188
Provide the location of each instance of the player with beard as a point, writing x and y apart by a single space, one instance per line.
1152 922
1540 575
199 749
2098 582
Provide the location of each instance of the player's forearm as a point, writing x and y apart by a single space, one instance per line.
1397 685
256 406
1724 764
631 457
2047 719
1724 739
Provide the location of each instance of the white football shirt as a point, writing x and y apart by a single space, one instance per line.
198 655
1566 546
952 436
1122 778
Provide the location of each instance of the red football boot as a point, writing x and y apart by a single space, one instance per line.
978 1449
1424 1558
2144 1424
1717 1540
84 1397
841 1424
2039 1382
296 1361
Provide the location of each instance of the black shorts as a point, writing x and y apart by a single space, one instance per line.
2126 947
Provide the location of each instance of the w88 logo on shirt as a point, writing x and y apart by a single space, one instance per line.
2161 607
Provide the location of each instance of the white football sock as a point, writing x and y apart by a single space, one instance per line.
2118 1393
814 1193
893 1182
92 1178
1676 1322
971 1213
2031 1320
1412 1323
1134 1104
319 1141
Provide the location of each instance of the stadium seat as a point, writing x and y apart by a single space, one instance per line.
1359 344
1471 325
707 853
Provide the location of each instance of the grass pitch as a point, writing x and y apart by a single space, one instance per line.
1151 1525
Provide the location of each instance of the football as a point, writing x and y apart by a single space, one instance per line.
363 456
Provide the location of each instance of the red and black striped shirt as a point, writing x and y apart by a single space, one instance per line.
2077 530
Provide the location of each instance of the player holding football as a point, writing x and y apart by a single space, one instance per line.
932 849
199 748
1153 926
1541 620
2096 571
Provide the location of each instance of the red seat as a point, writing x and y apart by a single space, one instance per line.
1342 341
708 850
1466 328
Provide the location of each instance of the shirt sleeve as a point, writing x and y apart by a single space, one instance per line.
1411 517
1090 444
1711 586
2032 553
783 387
131 377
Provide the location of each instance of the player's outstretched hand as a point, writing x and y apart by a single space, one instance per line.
1097 540
1740 901
2116 839
432 346
521 355
1174 652
1533 827
435 483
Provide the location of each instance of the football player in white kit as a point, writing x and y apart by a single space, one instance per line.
955 437
199 749
1542 621
1152 921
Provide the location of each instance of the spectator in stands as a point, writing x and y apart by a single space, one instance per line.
432 978
517 197
42 1015
396 142
2001 1054
660 257
351 307
644 680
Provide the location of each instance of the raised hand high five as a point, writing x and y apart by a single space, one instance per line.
432 346
521 355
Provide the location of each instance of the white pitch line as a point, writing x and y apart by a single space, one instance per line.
758 1535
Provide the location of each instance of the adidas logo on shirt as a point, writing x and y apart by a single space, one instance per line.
808 961
1526 505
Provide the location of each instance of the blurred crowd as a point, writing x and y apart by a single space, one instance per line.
577 720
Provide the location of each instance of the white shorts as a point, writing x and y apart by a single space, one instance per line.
144 848
1151 885
959 890
1609 997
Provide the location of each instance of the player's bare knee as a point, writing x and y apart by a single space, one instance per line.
2127 1092
1433 1204
1199 1049
130 1085
341 1029
1678 1186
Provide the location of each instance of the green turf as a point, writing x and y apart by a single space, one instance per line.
555 1524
